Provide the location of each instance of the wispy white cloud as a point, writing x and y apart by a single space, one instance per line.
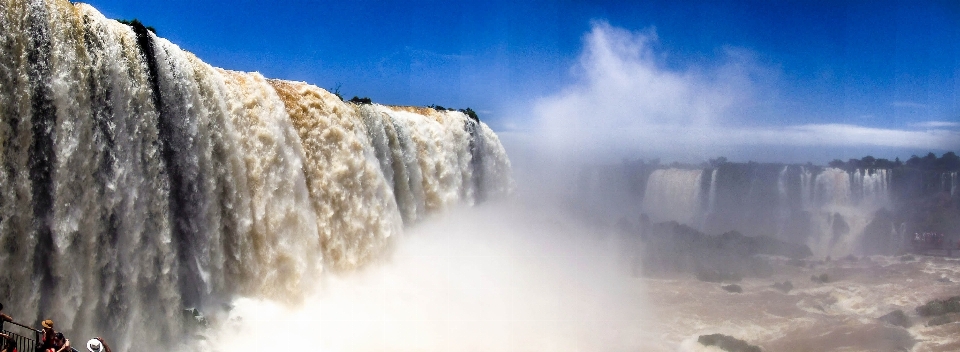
936 124
849 135
626 100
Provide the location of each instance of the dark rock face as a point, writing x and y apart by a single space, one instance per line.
727 343
820 279
879 237
733 288
785 286
940 307
940 320
897 318
672 247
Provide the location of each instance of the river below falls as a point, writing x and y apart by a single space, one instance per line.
839 315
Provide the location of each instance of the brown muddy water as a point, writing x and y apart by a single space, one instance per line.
838 315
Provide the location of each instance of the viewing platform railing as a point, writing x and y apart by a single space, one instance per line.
25 337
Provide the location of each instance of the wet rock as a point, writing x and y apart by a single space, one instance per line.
943 319
733 288
897 318
785 286
820 279
940 307
193 318
944 280
872 336
851 258
907 258
727 343
673 247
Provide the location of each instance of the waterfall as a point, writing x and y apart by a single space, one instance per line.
711 197
948 182
137 180
832 188
875 188
673 194
806 187
956 182
842 206
783 209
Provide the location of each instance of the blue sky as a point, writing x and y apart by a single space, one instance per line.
842 77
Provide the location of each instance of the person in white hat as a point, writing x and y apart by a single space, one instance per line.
97 345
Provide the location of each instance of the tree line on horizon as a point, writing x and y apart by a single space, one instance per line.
947 162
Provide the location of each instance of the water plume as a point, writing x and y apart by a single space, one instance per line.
505 276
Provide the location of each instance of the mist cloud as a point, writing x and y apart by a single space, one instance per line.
626 100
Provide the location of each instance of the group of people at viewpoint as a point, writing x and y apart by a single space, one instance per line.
50 339
932 239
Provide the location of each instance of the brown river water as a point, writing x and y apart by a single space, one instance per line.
839 315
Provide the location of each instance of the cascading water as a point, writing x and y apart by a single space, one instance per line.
673 194
137 180
711 197
949 182
828 209
806 187
783 201
844 206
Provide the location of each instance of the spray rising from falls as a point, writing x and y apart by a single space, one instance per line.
137 180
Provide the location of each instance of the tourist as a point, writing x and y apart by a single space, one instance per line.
97 345
7 344
4 317
51 340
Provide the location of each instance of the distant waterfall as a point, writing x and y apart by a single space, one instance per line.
832 189
842 207
949 182
137 180
711 196
783 201
673 194
806 187
828 209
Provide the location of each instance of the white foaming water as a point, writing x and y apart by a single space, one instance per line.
673 194
282 243
138 180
